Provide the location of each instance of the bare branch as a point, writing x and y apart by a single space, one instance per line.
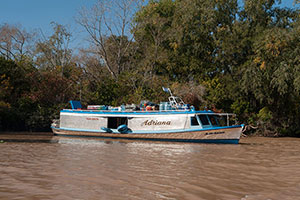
14 41
108 26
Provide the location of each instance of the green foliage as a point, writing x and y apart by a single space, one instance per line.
265 114
14 85
240 107
214 53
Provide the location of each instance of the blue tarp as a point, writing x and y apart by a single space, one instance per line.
75 104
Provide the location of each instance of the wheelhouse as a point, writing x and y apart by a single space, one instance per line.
210 119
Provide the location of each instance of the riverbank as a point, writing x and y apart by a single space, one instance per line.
43 137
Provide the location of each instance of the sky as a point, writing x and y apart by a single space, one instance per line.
34 14
38 14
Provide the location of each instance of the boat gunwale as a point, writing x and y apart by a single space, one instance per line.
163 112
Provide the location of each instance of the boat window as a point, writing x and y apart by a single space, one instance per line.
115 122
222 120
213 120
204 120
194 121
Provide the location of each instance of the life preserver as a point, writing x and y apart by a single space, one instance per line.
123 128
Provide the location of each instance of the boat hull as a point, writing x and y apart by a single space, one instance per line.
228 135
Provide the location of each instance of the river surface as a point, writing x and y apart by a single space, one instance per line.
257 168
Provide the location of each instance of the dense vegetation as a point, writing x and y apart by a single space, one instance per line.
217 54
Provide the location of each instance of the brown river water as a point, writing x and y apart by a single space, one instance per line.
257 168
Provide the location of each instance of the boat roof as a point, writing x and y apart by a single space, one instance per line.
156 112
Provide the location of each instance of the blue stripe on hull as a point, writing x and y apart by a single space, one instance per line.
212 141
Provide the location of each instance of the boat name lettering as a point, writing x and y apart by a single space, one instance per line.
155 123
92 118
214 133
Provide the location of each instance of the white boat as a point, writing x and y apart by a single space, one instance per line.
172 121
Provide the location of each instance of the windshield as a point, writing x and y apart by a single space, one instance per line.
217 119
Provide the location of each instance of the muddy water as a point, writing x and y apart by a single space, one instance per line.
257 168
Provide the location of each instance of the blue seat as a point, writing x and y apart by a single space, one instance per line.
75 104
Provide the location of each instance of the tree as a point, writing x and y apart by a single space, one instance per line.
152 33
14 88
182 38
15 42
108 25
272 75
53 53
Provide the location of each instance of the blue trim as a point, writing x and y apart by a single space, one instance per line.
212 141
151 132
107 130
112 112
